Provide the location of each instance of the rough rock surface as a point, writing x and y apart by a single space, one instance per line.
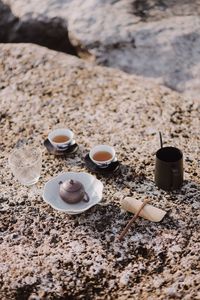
151 38
46 254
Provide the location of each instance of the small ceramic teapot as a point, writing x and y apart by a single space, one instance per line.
72 191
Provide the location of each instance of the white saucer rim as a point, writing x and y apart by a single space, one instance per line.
73 212
77 211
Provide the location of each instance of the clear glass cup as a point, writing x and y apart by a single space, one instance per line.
26 163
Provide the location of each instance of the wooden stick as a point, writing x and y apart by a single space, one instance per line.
161 142
132 219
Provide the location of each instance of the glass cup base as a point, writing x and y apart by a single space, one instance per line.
31 182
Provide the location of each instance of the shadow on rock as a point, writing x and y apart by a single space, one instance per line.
51 33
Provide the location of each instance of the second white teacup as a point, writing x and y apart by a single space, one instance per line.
61 139
102 155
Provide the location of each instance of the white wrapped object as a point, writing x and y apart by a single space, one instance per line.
149 212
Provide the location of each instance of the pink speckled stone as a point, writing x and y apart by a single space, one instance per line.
46 254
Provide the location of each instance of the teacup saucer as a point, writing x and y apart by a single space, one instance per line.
111 168
51 149
92 185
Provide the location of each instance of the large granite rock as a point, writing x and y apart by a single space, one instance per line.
164 49
46 254
155 39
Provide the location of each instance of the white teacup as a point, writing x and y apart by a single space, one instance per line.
102 155
61 139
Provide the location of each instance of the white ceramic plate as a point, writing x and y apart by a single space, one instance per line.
93 187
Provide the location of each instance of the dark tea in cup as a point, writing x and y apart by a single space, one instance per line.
61 139
102 155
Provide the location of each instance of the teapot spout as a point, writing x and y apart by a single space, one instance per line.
87 198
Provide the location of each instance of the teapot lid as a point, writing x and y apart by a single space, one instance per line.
72 185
